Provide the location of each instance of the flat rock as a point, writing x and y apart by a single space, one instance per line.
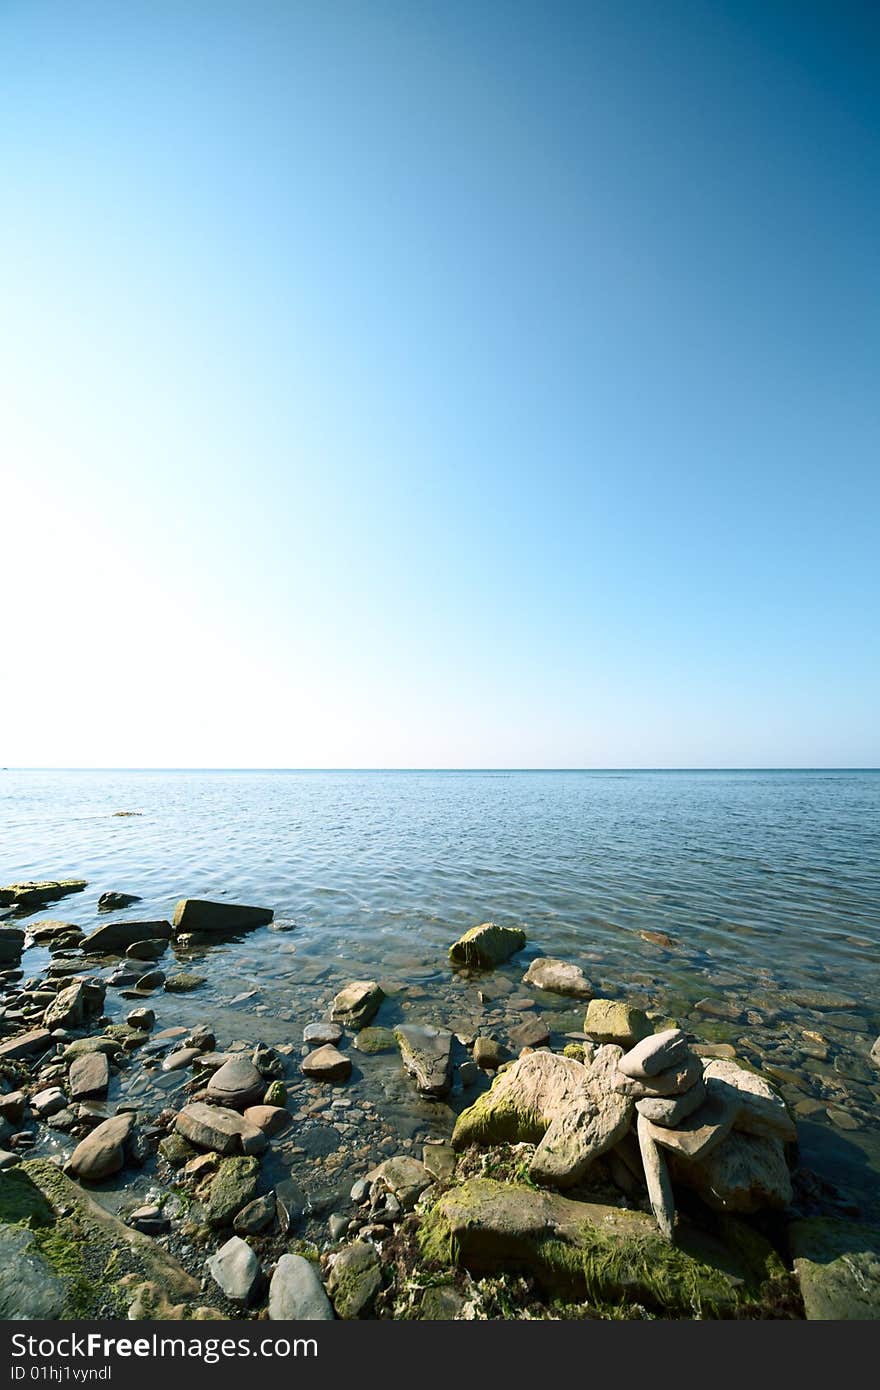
271 1119
327 1063
102 1152
220 1130
404 1176
296 1292
611 1021
75 1004
89 1076
49 933
838 1267
34 892
487 945
701 1132
180 1059
357 1004
200 915
673 1082
670 1111
236 1084
655 1054
762 1110
184 982
558 977
426 1053
237 1270
117 936
534 1032
322 1033
26 1044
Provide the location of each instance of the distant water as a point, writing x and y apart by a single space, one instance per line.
766 883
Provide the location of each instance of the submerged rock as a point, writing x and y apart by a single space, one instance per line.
200 915
373 1040
325 1032
426 1053
558 977
116 936
485 946
115 902
355 1005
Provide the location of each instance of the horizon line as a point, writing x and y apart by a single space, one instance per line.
805 767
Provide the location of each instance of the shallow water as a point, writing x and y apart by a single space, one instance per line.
766 883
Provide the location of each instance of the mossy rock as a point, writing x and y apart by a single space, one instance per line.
373 1040
583 1250
485 946
233 1185
838 1266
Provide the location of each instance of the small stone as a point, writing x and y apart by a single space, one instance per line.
327 1064
324 1033
271 1119
673 1082
655 1054
102 1152
183 983
237 1270
357 1004
232 1187
489 1054
426 1053
181 1059
669 1111
610 1021
89 1076
223 1131
487 945
558 977
373 1040
404 1176
48 1102
143 1019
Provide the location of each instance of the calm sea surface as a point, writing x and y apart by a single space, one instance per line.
767 885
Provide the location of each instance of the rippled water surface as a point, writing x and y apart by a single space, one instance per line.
767 886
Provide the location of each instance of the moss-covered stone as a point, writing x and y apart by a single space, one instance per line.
487 945
355 1280
233 1185
372 1040
838 1266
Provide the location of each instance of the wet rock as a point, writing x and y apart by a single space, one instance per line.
558 977
489 1054
296 1292
439 1159
237 1084
404 1176
48 1102
656 1053
355 1005
327 1064
56 935
610 1021
176 1150
115 902
11 945
426 1053
33 893
373 1040
102 1152
257 1216
146 950
180 1059
355 1279
75 1004
152 979
220 1130
269 1063
822 999
320 1033
275 1095
29 1288
271 1119
231 1188
838 1267
89 1076
81 1047
200 915
149 1220
142 1019
25 1045
12 1106
237 1270
117 936
485 946
183 982
533 1033
202 1037
744 1173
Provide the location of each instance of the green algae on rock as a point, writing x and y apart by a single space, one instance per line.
487 945
838 1267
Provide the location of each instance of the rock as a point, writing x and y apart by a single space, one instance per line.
670 1111
532 1033
271 1119
701 1132
468 1074
610 1021
325 1033
296 1292
656 1173
231 1188
355 1279
275 1095
102 1152
26 1045
141 1018
373 1040
12 1106
744 1173
580 1250
822 999
117 936
657 938
439 1159
426 1053
237 1084
176 1150
11 945
115 902
596 1121
654 1054
73 1005
327 1064
220 1130
237 1270
32 894
202 1037
48 1102
762 1110
89 1076
183 982
180 1059
146 950
269 1063
28 1286
355 1005
674 1082
441 1303
56 934
257 1216
199 915
405 1177
838 1267
485 946
489 1054
875 1053
152 979
558 977
337 1226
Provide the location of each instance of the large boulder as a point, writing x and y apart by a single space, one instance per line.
761 1110
118 936
101 1153
32 894
605 1254
558 977
426 1053
485 946
220 1130
296 1292
744 1173
11 945
571 1111
200 915
838 1266
357 1004
73 1005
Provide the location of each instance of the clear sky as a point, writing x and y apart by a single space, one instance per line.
439 384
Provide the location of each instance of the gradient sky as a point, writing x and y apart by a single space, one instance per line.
421 384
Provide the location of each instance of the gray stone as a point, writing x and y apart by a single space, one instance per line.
184 982
404 1176
146 950
761 1110
322 1033
296 1292
489 1054
673 1082
75 1004
657 1178
48 1102
222 1131
89 1076
426 1053
237 1084
257 1216
357 1004
29 1288
180 1059
237 1270
115 902
355 1279
701 1132
141 1018
532 1033
670 1111
102 1153
117 936
655 1054
558 977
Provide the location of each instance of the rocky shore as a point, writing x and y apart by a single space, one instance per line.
156 1168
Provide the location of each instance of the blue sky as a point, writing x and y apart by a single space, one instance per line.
392 384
